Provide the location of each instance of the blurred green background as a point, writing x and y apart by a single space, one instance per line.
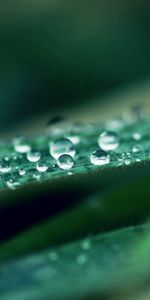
57 54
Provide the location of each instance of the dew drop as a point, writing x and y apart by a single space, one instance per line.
86 244
12 185
65 162
138 159
55 120
136 136
42 167
22 172
136 148
62 146
6 158
70 173
36 176
99 158
5 166
21 145
53 256
127 162
33 156
115 124
82 259
108 140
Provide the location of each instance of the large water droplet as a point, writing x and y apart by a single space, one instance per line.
62 146
33 156
99 158
65 162
108 140
21 145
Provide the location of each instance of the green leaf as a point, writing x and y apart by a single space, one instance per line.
103 212
99 263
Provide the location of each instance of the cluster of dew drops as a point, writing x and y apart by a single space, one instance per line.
102 144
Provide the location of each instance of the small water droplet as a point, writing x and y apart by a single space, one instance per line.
5 166
86 244
36 176
137 148
65 162
115 124
33 156
53 256
42 166
21 145
12 184
128 154
55 120
6 158
108 140
70 173
136 136
62 146
127 162
22 172
82 259
99 157
138 159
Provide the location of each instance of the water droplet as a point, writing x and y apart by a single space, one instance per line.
42 166
138 159
53 256
136 136
86 244
137 111
12 184
36 176
62 146
55 120
135 114
22 172
65 162
127 162
82 259
5 166
99 157
21 145
108 140
128 154
115 124
70 173
33 156
6 158
137 148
